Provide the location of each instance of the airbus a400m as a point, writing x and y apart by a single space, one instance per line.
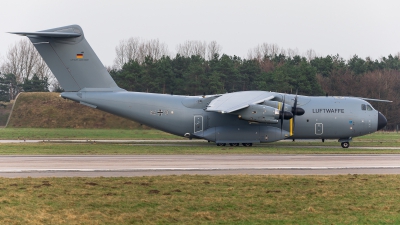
234 118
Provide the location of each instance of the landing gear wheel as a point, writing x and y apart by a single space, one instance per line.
221 144
247 144
234 144
345 144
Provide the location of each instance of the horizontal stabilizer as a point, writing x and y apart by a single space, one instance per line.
48 34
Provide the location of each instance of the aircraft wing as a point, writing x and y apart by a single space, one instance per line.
231 102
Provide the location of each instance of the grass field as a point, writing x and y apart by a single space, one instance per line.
71 133
382 140
85 134
240 199
243 199
177 148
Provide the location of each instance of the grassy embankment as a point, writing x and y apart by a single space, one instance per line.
243 199
48 110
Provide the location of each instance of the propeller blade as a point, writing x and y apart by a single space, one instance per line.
294 110
282 113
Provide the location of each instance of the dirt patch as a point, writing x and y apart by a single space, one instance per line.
154 192
273 191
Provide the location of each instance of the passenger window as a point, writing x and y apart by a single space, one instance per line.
363 107
369 108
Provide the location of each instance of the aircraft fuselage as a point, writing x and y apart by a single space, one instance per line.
324 117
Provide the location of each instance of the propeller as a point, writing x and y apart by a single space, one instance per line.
297 111
284 115
294 110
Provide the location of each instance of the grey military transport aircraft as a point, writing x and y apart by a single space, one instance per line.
245 117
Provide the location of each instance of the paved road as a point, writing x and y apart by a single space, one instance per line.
149 165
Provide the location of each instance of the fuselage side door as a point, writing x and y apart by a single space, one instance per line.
319 128
198 124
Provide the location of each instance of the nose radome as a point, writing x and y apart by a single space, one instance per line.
382 121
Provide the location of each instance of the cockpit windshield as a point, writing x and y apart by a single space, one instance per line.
366 107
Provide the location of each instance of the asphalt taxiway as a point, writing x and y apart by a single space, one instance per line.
152 165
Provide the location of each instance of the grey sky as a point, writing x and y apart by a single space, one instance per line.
365 28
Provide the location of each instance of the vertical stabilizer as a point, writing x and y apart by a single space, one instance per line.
71 59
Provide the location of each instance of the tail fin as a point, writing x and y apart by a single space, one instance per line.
71 59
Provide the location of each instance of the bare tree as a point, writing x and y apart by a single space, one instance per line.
265 50
137 50
310 54
274 50
153 49
121 56
292 52
190 48
213 48
23 60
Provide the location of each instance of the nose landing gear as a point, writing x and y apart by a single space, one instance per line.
345 142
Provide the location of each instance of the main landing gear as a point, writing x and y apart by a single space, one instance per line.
236 144
345 144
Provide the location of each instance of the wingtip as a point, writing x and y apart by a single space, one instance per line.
17 33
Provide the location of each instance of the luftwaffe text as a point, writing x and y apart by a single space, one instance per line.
328 110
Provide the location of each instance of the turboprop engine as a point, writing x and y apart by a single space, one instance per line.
295 111
262 114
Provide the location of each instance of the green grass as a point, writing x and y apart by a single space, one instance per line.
85 134
71 133
93 148
241 199
380 140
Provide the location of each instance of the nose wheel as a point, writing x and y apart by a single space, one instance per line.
345 144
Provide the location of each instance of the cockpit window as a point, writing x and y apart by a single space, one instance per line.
363 107
369 108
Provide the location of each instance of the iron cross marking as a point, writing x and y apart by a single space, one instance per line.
160 112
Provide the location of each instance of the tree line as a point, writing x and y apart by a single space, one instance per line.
267 68
201 68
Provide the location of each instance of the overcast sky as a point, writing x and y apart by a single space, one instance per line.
365 28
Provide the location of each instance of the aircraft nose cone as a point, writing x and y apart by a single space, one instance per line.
382 121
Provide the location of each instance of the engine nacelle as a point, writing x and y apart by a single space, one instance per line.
259 113
288 107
